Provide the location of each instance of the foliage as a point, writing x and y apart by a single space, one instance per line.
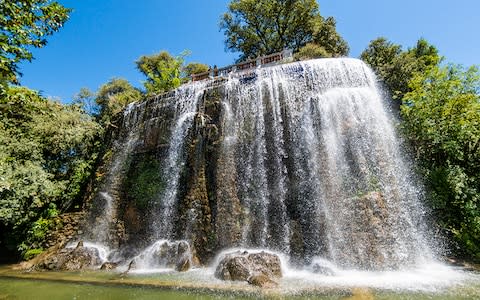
260 27
163 71
310 51
326 36
113 97
29 254
144 182
396 67
25 24
47 151
37 232
193 68
442 121
85 98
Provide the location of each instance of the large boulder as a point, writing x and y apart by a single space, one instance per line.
259 268
70 259
165 254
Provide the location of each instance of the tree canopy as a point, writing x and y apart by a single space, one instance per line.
260 27
396 67
25 24
113 97
442 122
193 68
47 151
163 71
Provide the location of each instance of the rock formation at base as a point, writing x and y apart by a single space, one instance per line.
257 268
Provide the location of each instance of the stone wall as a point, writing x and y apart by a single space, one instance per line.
67 227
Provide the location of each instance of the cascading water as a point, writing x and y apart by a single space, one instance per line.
136 126
164 210
319 167
298 158
105 207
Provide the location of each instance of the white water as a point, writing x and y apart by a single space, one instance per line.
105 204
320 176
186 98
103 252
429 277
315 146
160 256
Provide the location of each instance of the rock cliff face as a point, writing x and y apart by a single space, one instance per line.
299 158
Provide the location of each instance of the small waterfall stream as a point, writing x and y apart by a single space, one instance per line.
164 210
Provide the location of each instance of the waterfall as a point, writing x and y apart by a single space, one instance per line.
299 158
104 210
186 99
319 164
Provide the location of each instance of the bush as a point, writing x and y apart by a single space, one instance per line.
311 51
29 254
442 122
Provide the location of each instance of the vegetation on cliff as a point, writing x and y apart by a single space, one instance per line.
440 117
396 67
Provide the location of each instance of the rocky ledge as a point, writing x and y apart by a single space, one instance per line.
60 258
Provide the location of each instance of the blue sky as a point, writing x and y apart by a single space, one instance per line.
103 38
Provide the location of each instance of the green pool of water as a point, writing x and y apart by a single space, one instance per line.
110 285
14 288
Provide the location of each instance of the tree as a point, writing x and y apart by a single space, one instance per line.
326 36
396 67
85 99
260 27
441 116
25 24
163 71
310 51
193 68
113 97
47 152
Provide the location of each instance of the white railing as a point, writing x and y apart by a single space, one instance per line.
249 64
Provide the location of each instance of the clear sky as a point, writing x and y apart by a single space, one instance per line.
103 38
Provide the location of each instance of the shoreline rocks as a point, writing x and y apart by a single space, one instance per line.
258 268
71 259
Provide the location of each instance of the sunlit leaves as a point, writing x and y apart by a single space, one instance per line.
396 67
23 25
260 27
442 121
163 71
47 151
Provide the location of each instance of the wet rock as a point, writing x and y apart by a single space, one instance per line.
70 259
262 281
256 268
322 269
174 255
323 266
233 268
109 266
183 265
165 254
